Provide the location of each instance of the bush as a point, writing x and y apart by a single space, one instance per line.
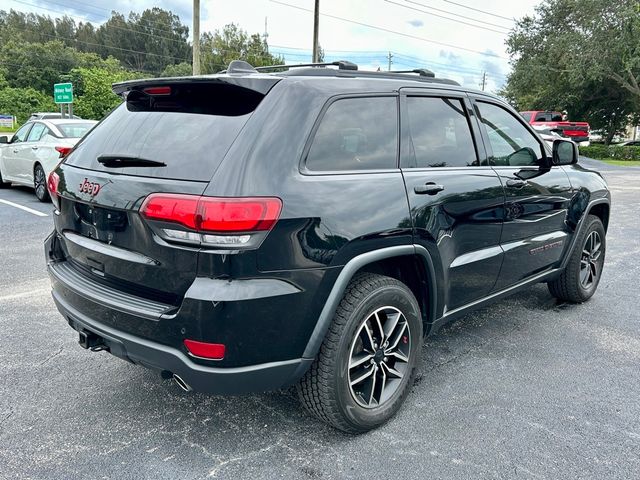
616 152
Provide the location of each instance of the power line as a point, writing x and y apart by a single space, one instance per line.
478 10
422 39
451 13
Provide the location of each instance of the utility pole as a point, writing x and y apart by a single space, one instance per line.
484 80
316 22
196 37
389 57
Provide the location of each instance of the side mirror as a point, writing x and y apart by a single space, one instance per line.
565 152
4 139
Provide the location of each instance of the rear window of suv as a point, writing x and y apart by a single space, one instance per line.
189 133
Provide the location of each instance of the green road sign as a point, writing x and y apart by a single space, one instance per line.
63 93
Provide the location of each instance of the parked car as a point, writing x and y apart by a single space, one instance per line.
548 135
35 149
49 116
309 227
576 131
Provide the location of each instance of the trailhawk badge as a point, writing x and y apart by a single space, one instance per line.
91 188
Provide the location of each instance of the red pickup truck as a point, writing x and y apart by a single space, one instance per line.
576 131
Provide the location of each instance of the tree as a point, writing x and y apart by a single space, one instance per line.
579 56
22 102
93 86
178 70
218 49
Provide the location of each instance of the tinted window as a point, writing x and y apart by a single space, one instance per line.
526 115
21 134
440 133
74 130
36 132
543 117
356 134
510 141
191 145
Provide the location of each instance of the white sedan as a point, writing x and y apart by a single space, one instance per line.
36 149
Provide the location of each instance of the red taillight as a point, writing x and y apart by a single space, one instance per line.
63 151
52 186
214 351
157 90
213 214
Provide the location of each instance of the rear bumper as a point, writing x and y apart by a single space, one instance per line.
252 378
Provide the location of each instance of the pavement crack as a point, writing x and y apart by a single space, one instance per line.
6 418
474 348
51 356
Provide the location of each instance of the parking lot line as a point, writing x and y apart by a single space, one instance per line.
22 207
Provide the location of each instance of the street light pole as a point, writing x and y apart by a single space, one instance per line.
316 21
196 37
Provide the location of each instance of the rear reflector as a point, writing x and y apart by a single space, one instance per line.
52 186
213 351
63 151
213 214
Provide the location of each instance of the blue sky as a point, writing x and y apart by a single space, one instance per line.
459 39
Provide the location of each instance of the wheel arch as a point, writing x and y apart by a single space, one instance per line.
602 211
410 264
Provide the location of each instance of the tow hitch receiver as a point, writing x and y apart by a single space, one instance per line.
91 341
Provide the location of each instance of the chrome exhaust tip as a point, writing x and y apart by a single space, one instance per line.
181 383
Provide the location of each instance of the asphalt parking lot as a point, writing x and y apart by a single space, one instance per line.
526 388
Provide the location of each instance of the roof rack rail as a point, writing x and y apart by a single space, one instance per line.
341 64
423 72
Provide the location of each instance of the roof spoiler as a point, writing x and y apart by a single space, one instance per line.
258 83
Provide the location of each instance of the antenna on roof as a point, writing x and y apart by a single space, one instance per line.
240 66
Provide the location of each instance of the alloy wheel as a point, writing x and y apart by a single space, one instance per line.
589 262
379 357
40 183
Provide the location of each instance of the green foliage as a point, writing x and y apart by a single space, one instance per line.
582 56
95 96
218 49
178 70
616 152
40 65
22 102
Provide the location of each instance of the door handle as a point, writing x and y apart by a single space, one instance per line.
428 188
34 148
516 183
15 150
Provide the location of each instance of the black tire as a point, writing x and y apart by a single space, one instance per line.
570 286
326 390
4 184
40 184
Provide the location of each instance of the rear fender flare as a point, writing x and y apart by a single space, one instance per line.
345 276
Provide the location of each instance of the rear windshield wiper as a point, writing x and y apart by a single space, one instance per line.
117 161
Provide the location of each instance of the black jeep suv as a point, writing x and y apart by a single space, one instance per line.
247 231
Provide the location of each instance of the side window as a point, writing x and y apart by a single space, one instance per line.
356 134
440 134
542 117
21 134
36 132
510 141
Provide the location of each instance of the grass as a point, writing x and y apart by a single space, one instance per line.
622 163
